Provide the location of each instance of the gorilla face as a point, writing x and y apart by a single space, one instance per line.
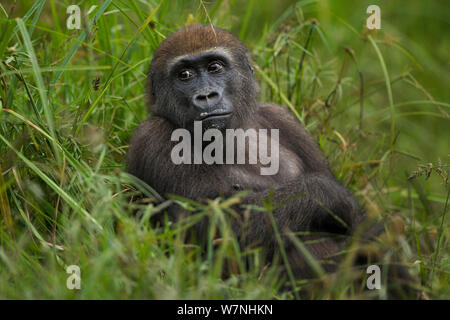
201 90
214 86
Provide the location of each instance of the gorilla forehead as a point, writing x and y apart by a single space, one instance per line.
195 39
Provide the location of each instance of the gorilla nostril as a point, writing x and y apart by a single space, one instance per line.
201 98
213 95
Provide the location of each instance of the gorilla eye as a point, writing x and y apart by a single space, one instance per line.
214 66
185 74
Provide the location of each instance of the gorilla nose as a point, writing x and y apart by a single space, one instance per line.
207 99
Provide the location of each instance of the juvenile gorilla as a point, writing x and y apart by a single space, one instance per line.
201 73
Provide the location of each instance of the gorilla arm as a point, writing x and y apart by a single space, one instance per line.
149 159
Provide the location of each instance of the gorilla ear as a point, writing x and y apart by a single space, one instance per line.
251 68
150 88
150 93
249 63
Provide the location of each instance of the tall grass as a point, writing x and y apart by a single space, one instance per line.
377 102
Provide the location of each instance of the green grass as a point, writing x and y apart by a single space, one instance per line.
377 102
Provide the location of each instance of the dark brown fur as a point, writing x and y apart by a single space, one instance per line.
304 173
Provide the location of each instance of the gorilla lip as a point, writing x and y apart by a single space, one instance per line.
204 116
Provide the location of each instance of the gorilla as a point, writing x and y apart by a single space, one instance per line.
203 74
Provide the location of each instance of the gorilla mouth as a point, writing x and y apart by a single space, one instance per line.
206 115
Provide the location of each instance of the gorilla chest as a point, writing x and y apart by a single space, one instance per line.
286 166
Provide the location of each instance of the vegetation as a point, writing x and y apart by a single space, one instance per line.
377 101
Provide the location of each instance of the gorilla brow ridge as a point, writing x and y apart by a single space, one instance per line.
216 50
